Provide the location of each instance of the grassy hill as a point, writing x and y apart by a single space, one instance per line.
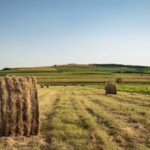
83 73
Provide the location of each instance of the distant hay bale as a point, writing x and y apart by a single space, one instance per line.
19 108
42 86
47 85
110 88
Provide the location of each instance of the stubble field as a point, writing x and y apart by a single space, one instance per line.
83 118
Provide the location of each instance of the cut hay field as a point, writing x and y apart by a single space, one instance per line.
84 118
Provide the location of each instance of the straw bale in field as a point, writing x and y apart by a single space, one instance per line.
19 108
110 88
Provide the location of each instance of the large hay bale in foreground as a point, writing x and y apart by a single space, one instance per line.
110 88
19 108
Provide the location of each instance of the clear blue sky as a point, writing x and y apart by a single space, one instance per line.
48 32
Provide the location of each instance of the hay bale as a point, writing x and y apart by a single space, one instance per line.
110 88
19 108
47 85
42 86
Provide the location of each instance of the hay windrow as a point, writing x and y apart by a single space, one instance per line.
19 108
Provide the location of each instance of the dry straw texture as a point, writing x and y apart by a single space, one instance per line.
110 88
19 108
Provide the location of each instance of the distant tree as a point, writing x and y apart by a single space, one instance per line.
119 80
6 69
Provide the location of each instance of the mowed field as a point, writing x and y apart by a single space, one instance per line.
84 118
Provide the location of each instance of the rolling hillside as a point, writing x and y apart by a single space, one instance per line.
83 73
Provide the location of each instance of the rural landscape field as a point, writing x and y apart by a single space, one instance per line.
74 74
76 114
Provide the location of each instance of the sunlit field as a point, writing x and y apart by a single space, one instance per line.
74 74
84 118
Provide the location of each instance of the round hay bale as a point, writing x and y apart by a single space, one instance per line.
42 86
47 85
110 88
19 107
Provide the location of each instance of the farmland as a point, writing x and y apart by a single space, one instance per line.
83 73
77 115
78 118
135 78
